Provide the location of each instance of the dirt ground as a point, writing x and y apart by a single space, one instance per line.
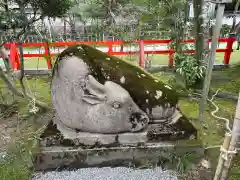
13 128
8 132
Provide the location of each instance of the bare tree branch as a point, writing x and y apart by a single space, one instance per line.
21 68
18 93
5 58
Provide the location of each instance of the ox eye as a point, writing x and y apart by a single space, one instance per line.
130 109
116 105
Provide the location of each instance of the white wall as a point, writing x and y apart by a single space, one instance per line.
225 20
229 21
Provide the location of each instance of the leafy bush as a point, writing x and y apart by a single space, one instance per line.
53 8
188 68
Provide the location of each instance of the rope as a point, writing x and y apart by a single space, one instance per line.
213 113
32 103
218 117
225 153
32 106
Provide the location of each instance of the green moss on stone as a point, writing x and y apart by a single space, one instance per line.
141 85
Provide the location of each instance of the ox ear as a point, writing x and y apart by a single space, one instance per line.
95 92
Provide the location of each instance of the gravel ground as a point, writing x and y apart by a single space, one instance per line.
107 173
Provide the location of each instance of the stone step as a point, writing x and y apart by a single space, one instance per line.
128 149
151 154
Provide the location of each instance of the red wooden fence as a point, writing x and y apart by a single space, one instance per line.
110 44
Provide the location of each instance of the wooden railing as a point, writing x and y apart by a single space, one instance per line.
113 48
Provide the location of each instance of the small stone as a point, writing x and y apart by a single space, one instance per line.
92 138
158 169
205 126
206 164
76 141
192 137
166 86
122 80
147 111
108 59
132 138
158 94
3 154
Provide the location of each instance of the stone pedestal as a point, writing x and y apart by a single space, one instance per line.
156 144
60 135
145 156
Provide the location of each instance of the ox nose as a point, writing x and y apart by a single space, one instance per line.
144 120
138 117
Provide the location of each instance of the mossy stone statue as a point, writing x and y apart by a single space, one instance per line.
146 90
154 102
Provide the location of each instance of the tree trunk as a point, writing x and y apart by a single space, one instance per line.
72 27
9 18
22 67
202 35
50 29
5 59
186 18
84 28
64 29
206 34
235 12
198 19
201 29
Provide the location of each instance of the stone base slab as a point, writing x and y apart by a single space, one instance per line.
148 155
156 145
58 135
91 139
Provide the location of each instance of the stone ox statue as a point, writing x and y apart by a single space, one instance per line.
102 99
84 104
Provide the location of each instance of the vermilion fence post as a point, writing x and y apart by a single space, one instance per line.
170 58
229 50
110 48
141 54
48 55
14 57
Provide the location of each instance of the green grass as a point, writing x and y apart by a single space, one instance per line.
212 131
35 63
226 81
24 143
